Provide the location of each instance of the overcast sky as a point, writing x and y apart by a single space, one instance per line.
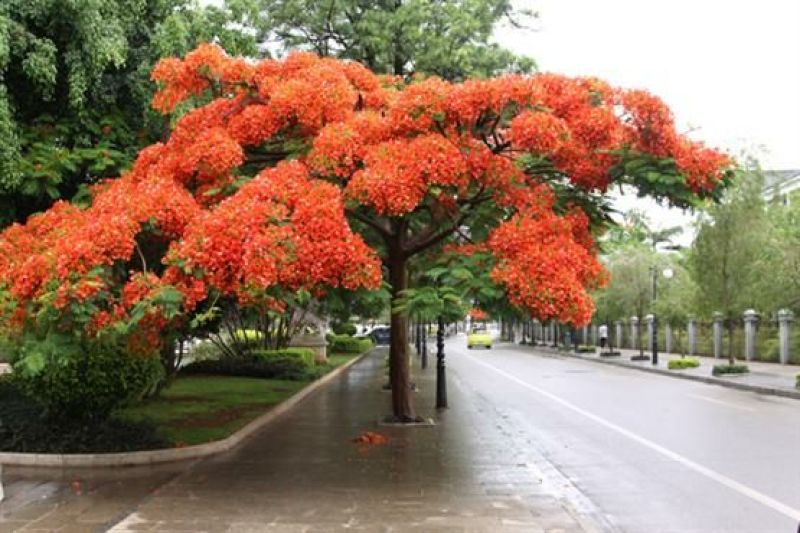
730 70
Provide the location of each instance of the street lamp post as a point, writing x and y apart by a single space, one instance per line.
441 384
667 273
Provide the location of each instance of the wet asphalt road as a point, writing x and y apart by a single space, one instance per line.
651 453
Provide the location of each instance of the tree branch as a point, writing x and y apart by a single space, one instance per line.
430 237
435 238
377 225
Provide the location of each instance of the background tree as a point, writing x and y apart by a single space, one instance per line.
676 296
630 289
630 265
636 228
75 90
780 256
451 39
730 240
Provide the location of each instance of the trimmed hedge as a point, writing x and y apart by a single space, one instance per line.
721 370
288 363
345 328
348 344
683 363
304 354
249 367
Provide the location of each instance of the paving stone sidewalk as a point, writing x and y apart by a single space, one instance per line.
303 473
769 378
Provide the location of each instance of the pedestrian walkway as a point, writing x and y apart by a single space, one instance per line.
305 473
770 378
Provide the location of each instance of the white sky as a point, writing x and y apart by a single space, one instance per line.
730 70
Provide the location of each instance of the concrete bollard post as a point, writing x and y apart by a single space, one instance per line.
717 334
667 338
315 341
691 336
648 319
618 340
750 321
634 332
785 319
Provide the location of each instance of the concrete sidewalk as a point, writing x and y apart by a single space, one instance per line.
766 378
304 473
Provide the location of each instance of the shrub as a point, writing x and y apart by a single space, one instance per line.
288 363
720 370
24 427
247 340
205 350
345 328
348 344
88 380
797 381
682 363
586 349
305 355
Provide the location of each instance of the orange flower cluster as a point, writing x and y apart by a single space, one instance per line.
478 314
545 265
398 173
72 256
281 230
370 437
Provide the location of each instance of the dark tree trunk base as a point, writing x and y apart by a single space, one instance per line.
406 421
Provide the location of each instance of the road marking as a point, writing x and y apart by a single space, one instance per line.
688 463
720 402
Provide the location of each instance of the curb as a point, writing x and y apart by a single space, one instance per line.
166 455
786 393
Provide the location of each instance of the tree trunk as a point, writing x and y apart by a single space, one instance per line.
639 336
399 370
731 355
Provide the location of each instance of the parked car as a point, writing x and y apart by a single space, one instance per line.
479 336
380 335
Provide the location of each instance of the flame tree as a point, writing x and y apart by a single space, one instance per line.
507 166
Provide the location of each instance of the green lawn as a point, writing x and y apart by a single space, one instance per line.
198 409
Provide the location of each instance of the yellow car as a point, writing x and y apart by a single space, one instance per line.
479 337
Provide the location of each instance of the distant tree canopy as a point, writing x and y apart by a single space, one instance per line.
732 236
450 38
75 86
745 255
